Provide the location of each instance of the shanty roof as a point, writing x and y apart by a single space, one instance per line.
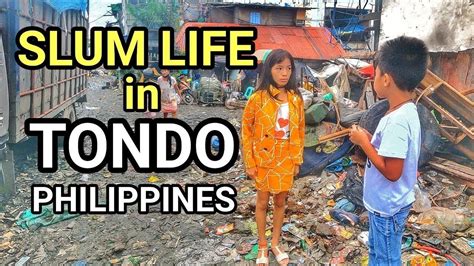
256 5
304 43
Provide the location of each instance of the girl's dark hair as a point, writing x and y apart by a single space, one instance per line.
275 57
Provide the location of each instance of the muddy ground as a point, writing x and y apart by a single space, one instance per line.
154 237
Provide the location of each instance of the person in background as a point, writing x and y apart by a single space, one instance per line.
307 85
169 96
273 138
183 82
393 151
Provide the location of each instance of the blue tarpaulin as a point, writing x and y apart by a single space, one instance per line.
315 162
63 5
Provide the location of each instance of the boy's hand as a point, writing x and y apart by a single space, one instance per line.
252 172
366 132
358 135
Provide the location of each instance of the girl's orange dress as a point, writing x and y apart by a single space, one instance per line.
275 158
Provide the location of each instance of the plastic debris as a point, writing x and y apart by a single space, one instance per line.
339 165
340 231
344 217
252 226
331 203
153 179
363 238
244 247
407 242
29 220
252 255
22 261
423 261
462 244
422 200
79 263
452 221
215 143
298 232
345 204
134 260
224 229
85 178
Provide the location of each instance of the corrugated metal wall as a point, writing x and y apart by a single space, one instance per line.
42 92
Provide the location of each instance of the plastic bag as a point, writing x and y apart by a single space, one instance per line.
422 200
28 220
452 221
307 98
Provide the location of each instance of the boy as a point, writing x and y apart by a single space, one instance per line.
393 150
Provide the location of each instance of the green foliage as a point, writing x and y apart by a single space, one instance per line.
154 14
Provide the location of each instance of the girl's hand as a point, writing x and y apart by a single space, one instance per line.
252 172
358 136
297 170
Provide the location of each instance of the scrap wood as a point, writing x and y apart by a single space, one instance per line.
335 135
239 104
432 197
454 169
449 100
463 188
439 192
366 55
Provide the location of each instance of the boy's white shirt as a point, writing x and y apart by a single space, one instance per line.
398 135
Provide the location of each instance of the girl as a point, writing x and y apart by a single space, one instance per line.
273 138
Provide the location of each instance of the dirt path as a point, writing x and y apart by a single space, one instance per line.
131 238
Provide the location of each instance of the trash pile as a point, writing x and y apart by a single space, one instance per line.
326 220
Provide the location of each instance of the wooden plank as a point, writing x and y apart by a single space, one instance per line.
466 147
445 113
459 138
454 169
447 135
452 102
359 55
336 135
467 92
452 97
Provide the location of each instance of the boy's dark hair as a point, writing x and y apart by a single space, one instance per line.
277 56
405 59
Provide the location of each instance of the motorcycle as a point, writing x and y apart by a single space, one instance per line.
185 92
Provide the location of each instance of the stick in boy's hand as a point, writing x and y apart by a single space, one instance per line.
359 135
